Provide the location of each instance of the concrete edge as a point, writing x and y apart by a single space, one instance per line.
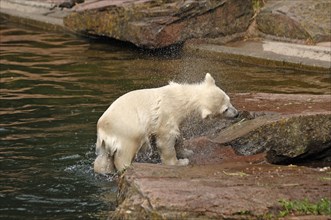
39 15
260 57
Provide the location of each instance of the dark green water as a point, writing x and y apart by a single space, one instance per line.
54 87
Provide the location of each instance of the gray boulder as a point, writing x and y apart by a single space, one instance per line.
286 139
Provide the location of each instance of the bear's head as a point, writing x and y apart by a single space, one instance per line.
214 101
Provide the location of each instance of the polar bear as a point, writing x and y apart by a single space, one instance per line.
130 121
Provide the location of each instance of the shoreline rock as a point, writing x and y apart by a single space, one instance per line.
152 24
233 190
220 184
203 40
289 128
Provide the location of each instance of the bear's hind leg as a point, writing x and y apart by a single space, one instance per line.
104 164
125 154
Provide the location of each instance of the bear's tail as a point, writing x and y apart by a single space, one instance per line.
99 146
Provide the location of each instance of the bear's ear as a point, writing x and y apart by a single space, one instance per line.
205 113
209 79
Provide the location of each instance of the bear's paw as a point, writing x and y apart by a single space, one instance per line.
183 162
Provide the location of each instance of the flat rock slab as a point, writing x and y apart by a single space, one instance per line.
233 190
256 105
295 19
284 104
157 24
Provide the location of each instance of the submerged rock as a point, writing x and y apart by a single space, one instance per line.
157 24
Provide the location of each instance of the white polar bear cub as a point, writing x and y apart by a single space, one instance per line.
133 118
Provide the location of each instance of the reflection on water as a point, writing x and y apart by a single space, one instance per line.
54 87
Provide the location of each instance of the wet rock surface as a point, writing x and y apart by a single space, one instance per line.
221 184
157 24
230 190
284 104
286 128
304 20
290 128
218 183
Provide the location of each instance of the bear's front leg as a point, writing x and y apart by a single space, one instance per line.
166 147
181 151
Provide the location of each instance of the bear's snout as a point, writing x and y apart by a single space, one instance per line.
231 112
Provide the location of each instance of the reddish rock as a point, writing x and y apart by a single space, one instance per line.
207 152
220 184
282 103
157 24
232 190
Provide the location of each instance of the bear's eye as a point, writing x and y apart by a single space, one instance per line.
226 109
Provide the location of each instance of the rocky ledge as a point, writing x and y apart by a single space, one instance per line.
219 183
230 190
286 139
157 24
205 25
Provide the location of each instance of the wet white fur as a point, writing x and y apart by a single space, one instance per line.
128 123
